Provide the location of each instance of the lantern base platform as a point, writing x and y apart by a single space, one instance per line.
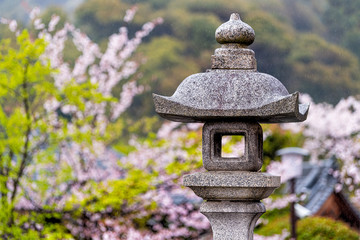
232 185
232 220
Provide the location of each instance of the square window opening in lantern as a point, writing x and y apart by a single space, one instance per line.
232 146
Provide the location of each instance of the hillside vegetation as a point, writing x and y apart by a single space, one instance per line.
311 46
308 45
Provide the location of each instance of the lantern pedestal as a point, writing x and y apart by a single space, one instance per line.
232 205
232 220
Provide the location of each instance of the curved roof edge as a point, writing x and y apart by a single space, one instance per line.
286 109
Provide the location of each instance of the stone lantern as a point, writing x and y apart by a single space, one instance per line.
232 98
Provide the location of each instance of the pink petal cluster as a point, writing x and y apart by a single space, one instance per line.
284 235
334 131
279 203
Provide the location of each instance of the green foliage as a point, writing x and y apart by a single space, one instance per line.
317 228
277 140
342 16
164 62
21 73
23 85
228 147
304 16
99 18
201 32
29 143
351 42
164 59
324 228
321 68
116 194
273 43
276 213
55 11
278 220
342 19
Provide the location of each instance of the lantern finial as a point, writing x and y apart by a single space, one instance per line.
235 31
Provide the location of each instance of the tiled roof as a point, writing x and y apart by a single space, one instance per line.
318 184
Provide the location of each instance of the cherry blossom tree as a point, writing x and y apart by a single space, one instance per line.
329 132
332 131
55 119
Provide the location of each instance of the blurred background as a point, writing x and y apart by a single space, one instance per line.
311 46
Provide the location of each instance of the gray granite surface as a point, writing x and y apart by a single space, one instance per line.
231 94
212 146
233 89
232 220
233 58
235 31
232 185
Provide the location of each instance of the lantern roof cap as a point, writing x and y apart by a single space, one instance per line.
232 89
